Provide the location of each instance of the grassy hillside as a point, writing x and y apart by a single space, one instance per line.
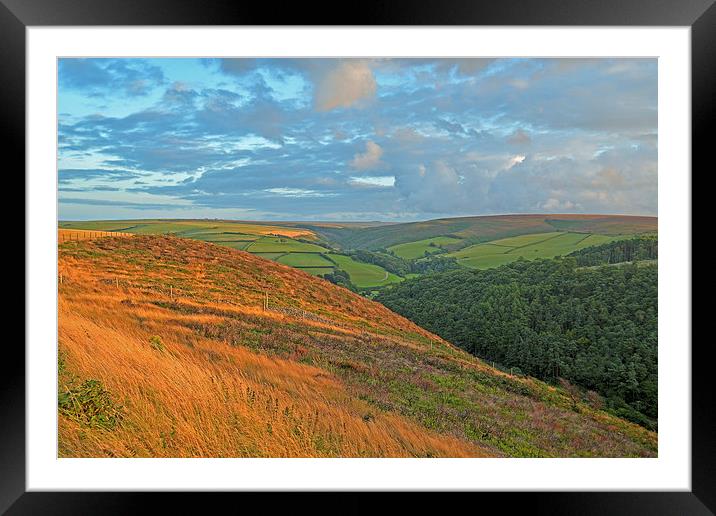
476 242
282 242
483 229
418 249
528 247
167 348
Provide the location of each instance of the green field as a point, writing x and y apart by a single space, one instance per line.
417 249
529 247
192 228
482 228
282 245
364 274
305 260
317 271
269 256
223 237
498 239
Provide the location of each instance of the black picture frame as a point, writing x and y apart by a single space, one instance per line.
16 15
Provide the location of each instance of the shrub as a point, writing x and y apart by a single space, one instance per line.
90 404
156 343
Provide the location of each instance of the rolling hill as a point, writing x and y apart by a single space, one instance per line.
330 249
283 242
474 230
171 347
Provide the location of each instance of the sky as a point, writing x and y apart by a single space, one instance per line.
355 139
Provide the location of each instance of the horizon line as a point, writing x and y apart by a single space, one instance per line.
294 221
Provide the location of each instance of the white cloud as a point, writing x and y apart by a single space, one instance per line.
515 160
296 192
369 159
552 204
381 181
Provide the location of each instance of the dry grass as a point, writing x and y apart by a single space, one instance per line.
201 398
176 332
65 235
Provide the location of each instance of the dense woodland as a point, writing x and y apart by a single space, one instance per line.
634 249
593 327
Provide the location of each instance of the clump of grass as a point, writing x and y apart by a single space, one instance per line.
90 404
156 343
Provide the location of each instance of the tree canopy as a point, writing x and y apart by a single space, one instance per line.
596 328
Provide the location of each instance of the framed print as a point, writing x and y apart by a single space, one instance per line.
418 252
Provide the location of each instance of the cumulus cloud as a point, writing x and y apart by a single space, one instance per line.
369 159
432 138
515 160
347 84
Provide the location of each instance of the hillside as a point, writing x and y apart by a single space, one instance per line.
483 228
175 347
339 251
552 319
283 242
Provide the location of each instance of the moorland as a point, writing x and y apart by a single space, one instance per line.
519 335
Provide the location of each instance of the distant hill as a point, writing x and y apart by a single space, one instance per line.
328 249
173 347
483 228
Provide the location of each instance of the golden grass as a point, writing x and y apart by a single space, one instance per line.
202 398
332 375
65 235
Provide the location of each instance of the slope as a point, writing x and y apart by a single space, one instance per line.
174 347
483 228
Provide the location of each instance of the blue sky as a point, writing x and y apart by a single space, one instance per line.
355 139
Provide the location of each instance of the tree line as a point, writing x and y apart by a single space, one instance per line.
631 250
401 266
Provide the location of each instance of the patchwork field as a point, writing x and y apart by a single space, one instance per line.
205 229
483 228
540 245
316 247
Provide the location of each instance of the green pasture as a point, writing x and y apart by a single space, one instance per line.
269 256
317 271
530 247
418 248
364 274
282 245
305 260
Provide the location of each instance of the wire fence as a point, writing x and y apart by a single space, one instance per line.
66 235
